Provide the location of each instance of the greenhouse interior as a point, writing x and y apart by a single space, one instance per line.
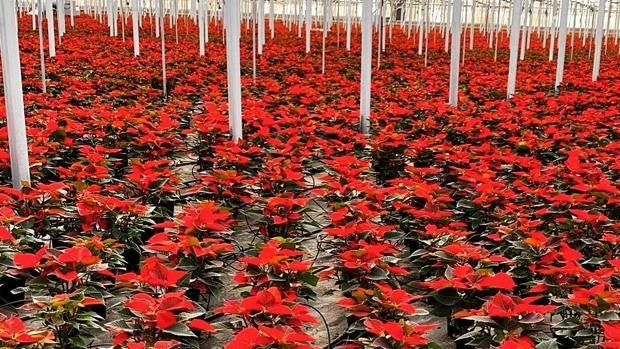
298 174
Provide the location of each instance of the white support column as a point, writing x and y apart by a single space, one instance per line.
524 32
253 41
308 23
13 94
233 69
34 14
162 26
72 12
572 32
552 30
598 40
60 16
472 28
365 66
41 48
299 19
447 28
515 28
420 26
51 36
453 97
607 27
272 22
201 27
207 21
559 73
348 45
157 21
135 18
261 26
324 34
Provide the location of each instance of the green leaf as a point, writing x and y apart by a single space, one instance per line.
568 323
548 344
377 274
309 278
480 318
78 342
464 203
532 318
447 296
121 325
470 334
608 316
584 333
180 330
188 316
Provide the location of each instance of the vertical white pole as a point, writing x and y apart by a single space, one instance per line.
157 19
607 27
447 28
338 24
135 15
60 16
299 19
420 24
13 94
162 26
515 28
201 26
233 69
598 40
530 16
561 43
572 32
552 30
324 36
206 20
472 29
308 23
453 97
272 24
524 33
72 12
261 26
51 36
110 17
254 41
383 20
123 19
497 28
426 33
41 49
546 26
365 66
410 13
348 25
34 14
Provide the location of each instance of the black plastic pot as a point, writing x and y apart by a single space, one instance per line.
457 328
7 285
132 260
99 309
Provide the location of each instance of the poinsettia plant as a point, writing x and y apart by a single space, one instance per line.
68 317
14 333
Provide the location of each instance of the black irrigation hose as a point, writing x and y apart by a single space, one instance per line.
181 164
329 335
10 304
343 337
319 241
